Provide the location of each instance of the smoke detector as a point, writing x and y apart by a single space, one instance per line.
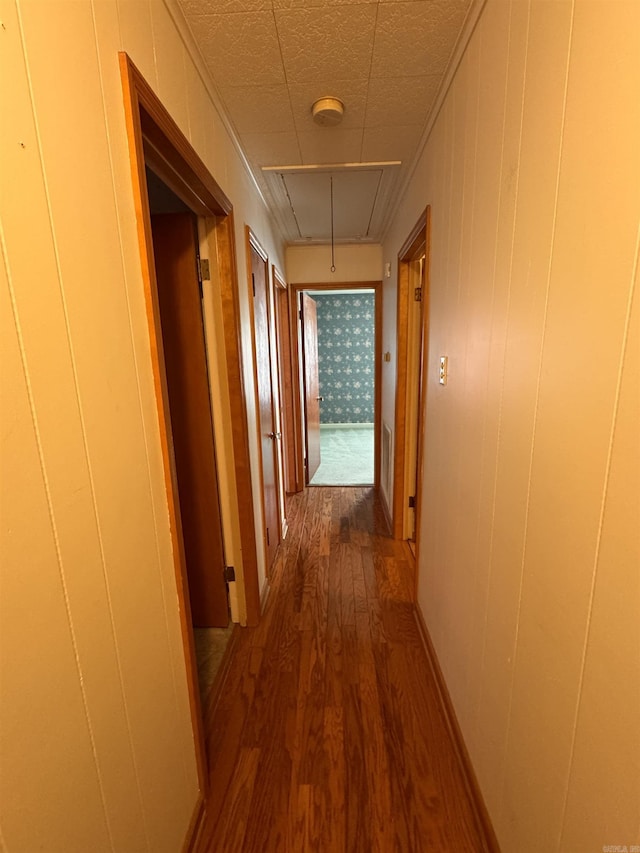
327 112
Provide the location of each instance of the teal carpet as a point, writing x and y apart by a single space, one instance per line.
346 456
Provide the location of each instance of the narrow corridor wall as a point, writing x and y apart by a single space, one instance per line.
529 574
96 741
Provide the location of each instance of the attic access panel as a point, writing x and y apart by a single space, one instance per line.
300 198
354 199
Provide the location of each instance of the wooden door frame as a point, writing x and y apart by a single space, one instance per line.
155 139
252 242
294 308
285 378
417 243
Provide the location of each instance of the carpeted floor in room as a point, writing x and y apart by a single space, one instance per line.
346 454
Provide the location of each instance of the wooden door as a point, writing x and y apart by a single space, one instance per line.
312 397
175 253
414 386
268 435
286 386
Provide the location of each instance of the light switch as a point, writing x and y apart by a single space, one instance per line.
444 363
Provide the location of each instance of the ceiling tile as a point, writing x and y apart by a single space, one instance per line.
327 43
258 109
400 100
271 149
390 143
330 145
240 50
414 39
353 93
220 7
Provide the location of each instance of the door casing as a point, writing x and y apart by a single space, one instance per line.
155 139
265 375
416 246
186 370
294 302
310 384
285 382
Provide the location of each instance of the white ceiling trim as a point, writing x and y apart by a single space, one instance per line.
191 46
471 21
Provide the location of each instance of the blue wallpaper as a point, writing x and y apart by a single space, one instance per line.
346 353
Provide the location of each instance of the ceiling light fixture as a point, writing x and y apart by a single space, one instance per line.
327 112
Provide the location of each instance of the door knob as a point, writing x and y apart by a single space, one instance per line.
320 398
274 435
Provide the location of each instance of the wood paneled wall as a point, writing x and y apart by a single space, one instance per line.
97 747
529 578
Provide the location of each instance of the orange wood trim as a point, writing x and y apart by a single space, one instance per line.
387 517
195 825
296 289
377 403
412 247
251 242
132 83
402 315
274 376
424 381
230 297
188 176
170 151
264 595
296 366
481 814
285 379
335 285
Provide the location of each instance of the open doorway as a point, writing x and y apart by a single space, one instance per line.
156 143
178 267
338 358
413 316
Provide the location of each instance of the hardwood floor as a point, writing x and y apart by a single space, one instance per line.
328 735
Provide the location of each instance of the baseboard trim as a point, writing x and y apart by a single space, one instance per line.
195 824
264 595
385 510
481 814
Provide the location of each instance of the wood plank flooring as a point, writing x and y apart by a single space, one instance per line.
328 735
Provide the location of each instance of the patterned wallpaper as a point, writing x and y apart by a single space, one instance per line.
346 356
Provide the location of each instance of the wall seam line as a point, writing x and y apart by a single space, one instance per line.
500 403
540 361
513 232
79 407
603 507
54 531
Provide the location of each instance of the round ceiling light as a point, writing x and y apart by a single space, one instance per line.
327 112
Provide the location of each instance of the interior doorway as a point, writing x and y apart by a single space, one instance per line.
285 388
412 319
156 142
337 353
180 290
269 425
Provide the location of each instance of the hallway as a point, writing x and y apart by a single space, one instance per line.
328 735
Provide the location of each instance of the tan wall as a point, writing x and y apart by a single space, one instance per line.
530 562
95 734
307 264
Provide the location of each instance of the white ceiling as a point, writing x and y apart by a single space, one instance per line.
271 59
